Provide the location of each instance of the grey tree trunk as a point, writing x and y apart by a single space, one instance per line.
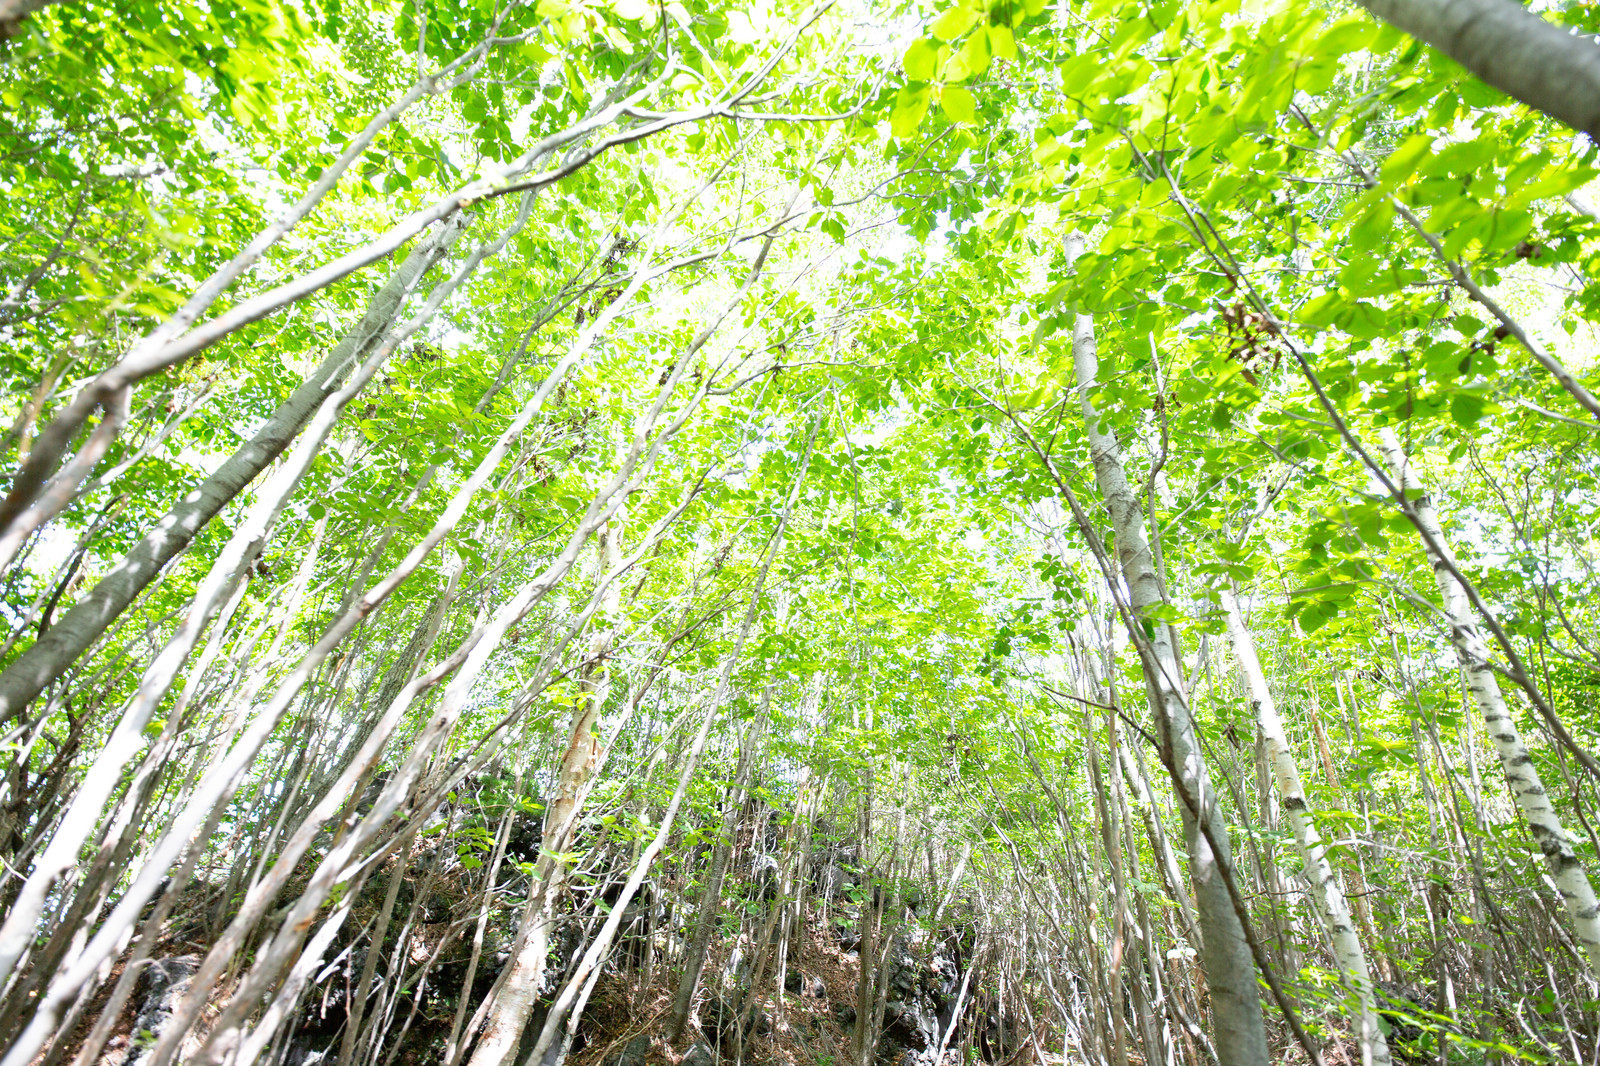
14 12
1326 895
1547 67
54 652
1522 775
512 1002
1240 1035
711 898
600 946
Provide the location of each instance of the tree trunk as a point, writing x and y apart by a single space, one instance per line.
711 897
1230 971
56 650
601 946
1521 775
1326 895
1548 67
513 998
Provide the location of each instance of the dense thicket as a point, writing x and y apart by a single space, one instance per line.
658 533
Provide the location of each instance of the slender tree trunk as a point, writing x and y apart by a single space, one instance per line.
1110 846
866 946
1230 971
228 568
1326 895
711 895
56 650
1521 775
514 997
1548 67
889 903
601 946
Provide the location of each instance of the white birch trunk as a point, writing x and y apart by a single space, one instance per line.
88 804
1521 775
512 1000
1225 955
50 656
601 945
1326 895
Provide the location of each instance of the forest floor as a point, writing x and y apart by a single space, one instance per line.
804 1029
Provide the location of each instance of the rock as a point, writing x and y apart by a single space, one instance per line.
799 984
1398 1005
764 873
158 991
845 1015
436 910
998 1036
523 842
634 1053
699 1055
910 1024
738 966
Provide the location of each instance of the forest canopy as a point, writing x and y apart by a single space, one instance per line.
922 534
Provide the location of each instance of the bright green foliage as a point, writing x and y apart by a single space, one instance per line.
1279 203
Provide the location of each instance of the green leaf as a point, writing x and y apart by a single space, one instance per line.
1079 72
1466 408
1404 160
1345 37
909 108
957 103
920 59
954 22
1002 43
1372 231
972 58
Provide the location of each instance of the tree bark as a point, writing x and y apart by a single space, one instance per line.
601 945
13 13
1326 895
56 650
711 897
1521 775
1548 67
1225 955
513 999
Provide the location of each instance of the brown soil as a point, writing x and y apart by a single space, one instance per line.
804 1031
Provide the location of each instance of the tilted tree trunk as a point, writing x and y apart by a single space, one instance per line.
1225 954
1548 67
14 12
889 912
711 896
57 649
226 569
1133 772
600 947
860 1046
1521 775
514 997
1326 894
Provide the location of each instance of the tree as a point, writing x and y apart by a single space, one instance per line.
529 528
